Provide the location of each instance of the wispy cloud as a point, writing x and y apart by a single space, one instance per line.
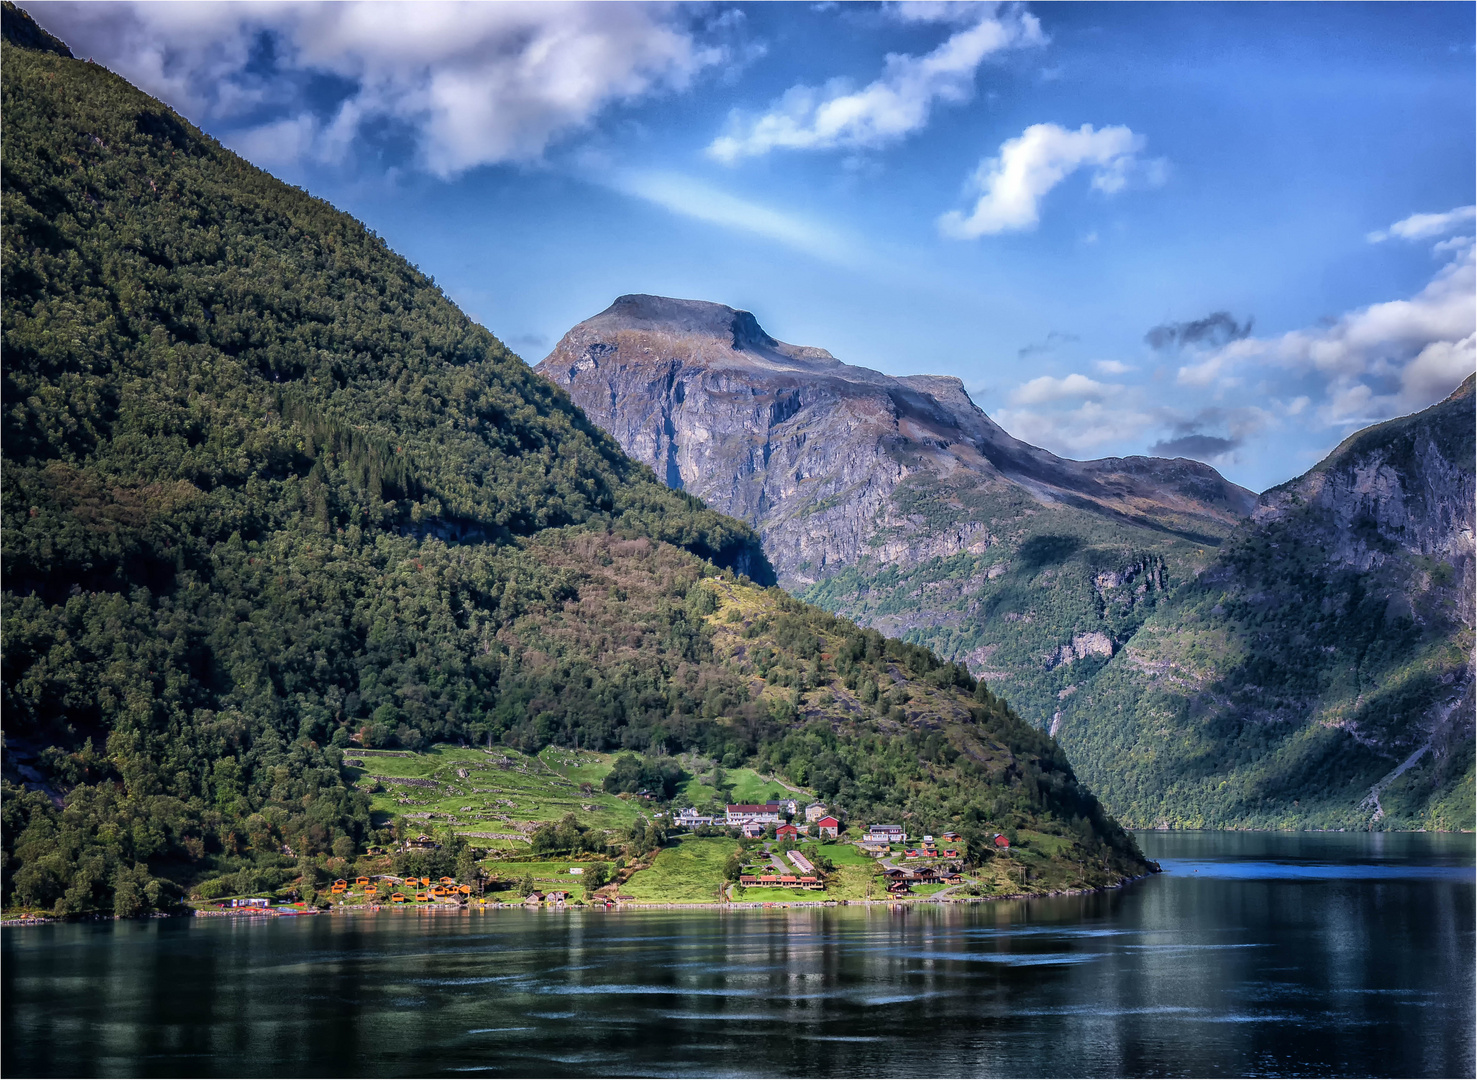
703 202
1012 184
1425 226
1217 328
838 116
1053 341
469 83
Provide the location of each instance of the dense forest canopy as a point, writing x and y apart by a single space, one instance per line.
267 492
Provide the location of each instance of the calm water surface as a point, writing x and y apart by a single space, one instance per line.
1322 954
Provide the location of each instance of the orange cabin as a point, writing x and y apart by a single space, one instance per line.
361 881
338 888
370 890
465 890
421 898
439 890
339 882
397 898
448 881
426 882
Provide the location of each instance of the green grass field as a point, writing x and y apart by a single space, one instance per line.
553 874
1044 842
689 872
750 787
773 895
840 854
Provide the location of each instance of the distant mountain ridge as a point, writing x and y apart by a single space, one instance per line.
895 500
808 449
1319 672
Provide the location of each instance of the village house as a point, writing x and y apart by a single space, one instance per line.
814 812
828 826
753 830
742 813
786 832
1002 841
690 818
886 834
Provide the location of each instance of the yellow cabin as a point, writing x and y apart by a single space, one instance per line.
448 881
439 890
465 890
397 898
338 888
370 890
421 898
361 882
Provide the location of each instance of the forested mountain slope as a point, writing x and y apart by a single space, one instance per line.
895 501
1319 672
266 491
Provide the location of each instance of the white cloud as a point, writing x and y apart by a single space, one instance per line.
697 200
1374 362
1077 432
1113 367
475 83
1454 243
1424 226
1012 184
893 106
1046 388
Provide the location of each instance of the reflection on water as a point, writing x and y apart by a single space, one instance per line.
1256 954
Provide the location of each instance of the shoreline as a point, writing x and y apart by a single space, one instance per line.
628 905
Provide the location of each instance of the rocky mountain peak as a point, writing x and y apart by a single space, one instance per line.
665 314
810 449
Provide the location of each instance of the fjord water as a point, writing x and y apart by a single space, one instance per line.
1273 954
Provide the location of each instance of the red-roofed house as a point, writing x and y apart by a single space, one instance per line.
828 826
786 830
1001 841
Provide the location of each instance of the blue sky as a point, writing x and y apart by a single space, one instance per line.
1234 232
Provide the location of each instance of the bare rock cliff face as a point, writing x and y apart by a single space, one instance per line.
811 451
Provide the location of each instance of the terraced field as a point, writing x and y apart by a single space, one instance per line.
494 797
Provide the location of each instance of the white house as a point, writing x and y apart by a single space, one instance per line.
743 813
814 812
886 834
690 818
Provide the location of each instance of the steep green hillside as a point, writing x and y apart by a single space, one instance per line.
1319 673
1040 611
267 494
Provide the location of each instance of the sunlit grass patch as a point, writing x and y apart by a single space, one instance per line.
689 872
